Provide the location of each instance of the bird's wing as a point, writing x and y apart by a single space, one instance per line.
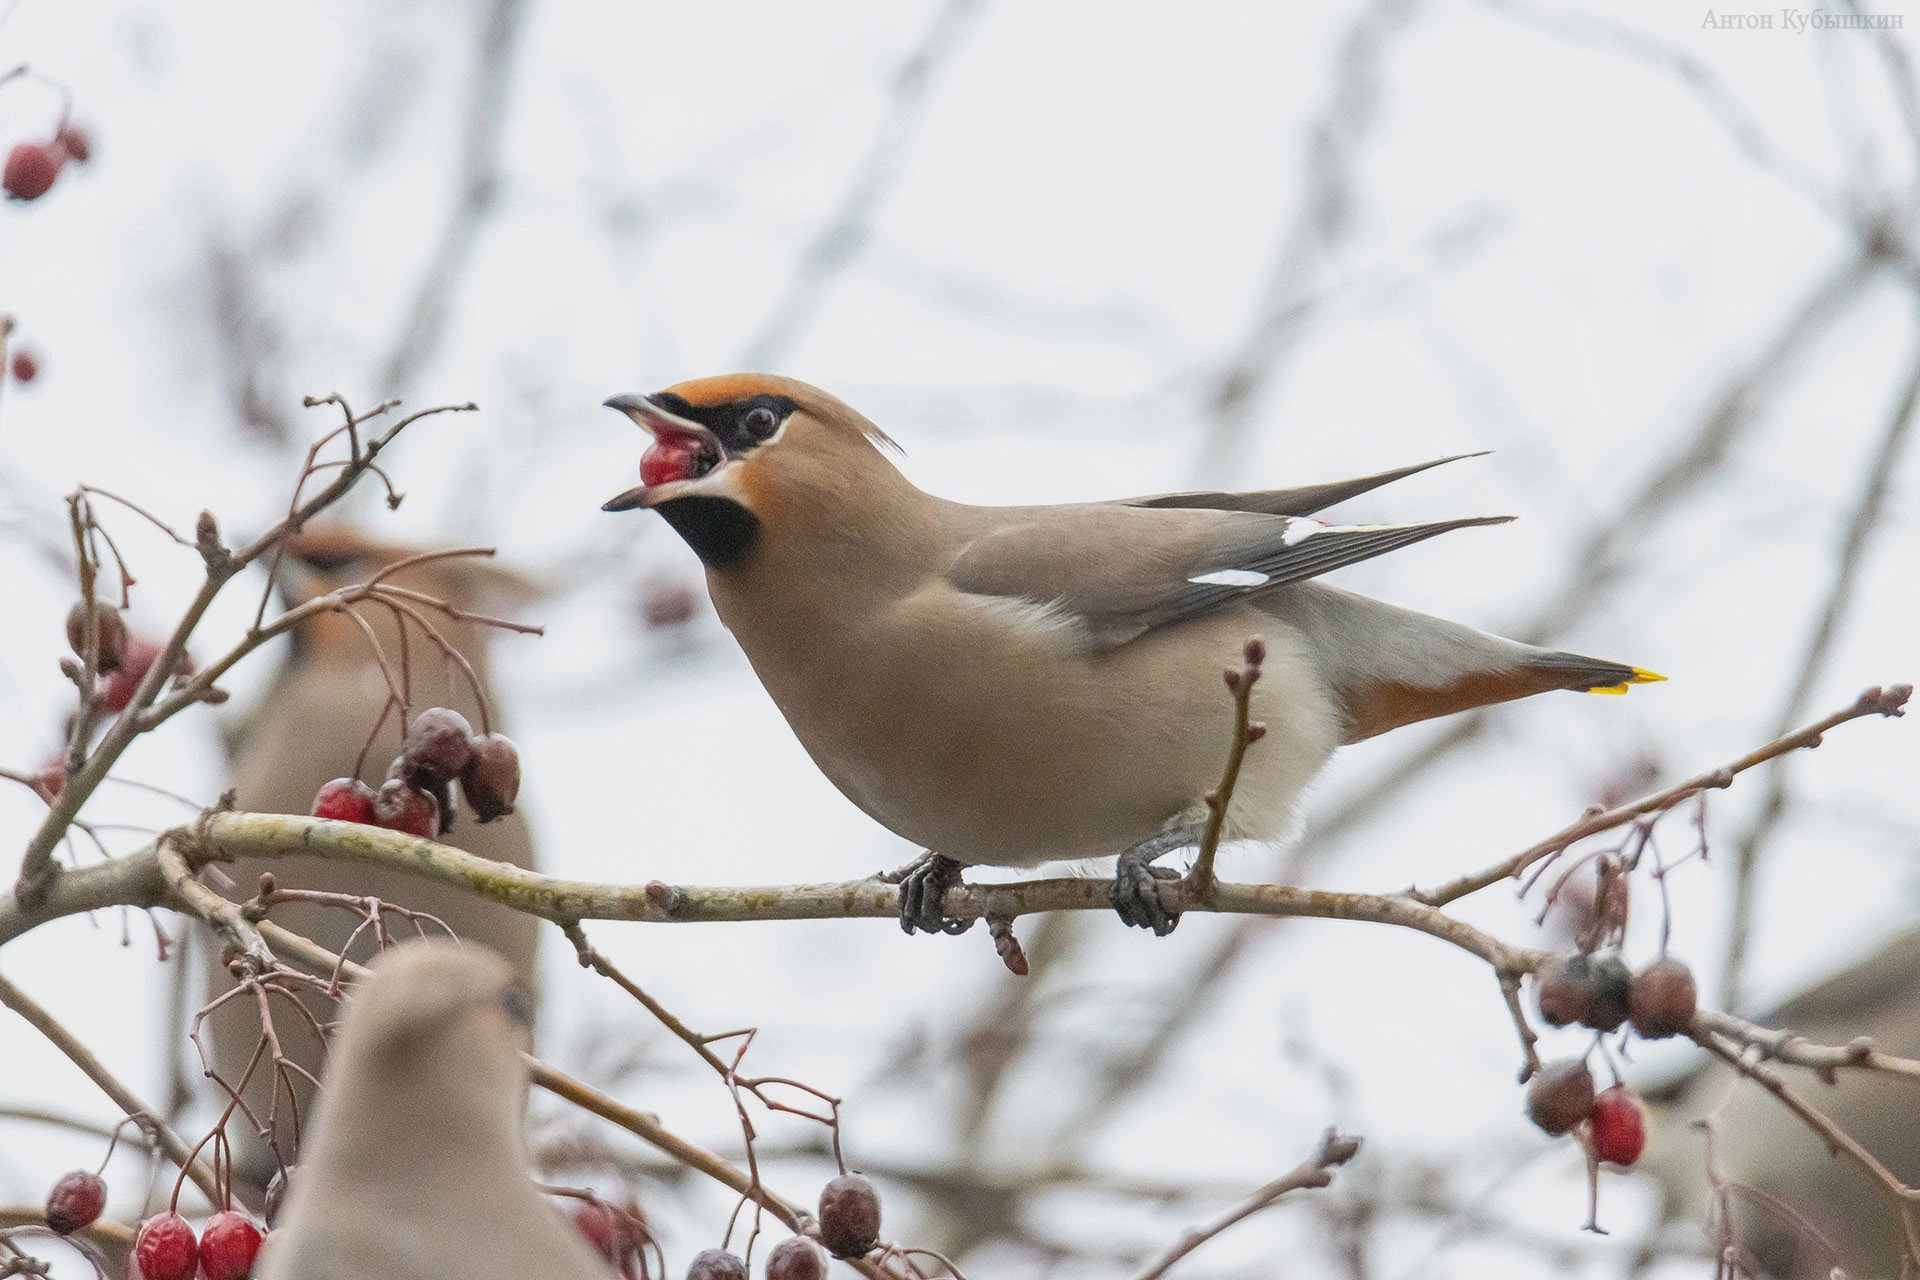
1303 501
1121 571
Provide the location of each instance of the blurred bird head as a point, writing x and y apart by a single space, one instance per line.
733 452
435 1006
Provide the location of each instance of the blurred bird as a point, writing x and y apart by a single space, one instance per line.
1013 685
417 1162
310 726
1761 1147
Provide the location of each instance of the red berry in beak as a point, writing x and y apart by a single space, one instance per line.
346 800
1619 1126
25 366
164 1248
31 169
76 1201
228 1247
666 461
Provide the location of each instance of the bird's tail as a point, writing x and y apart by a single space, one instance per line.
1392 666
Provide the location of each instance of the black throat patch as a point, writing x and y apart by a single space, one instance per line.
721 531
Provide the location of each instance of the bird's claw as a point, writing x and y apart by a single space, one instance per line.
923 886
1136 893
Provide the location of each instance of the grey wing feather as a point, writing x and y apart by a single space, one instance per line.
1301 550
1301 501
1123 572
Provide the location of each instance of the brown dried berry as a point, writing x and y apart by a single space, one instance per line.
76 1201
164 1248
436 748
75 141
1663 999
1561 1095
1564 989
849 1216
491 780
1612 987
346 800
26 366
228 1247
716 1264
400 807
113 634
796 1258
31 169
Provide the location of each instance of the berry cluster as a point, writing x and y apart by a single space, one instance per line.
1598 991
165 1247
33 167
122 659
440 749
849 1220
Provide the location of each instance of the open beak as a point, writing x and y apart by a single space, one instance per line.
670 432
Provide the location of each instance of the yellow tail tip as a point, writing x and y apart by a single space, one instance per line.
1640 676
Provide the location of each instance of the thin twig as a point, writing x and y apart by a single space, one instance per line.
1335 1150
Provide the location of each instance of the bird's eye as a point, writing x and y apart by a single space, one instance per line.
759 422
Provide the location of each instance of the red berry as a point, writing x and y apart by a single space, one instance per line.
849 1216
601 1226
26 366
52 779
716 1264
1560 1095
76 1201
664 462
436 748
113 634
164 1248
118 689
796 1258
491 780
76 142
228 1247
346 800
401 807
31 169
1619 1126
1663 999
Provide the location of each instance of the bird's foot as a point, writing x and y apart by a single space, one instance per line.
1136 882
923 885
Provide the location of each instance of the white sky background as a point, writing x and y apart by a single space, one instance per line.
1551 249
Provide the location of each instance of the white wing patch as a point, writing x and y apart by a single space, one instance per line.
1231 577
1299 530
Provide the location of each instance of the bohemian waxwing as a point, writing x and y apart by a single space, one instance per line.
311 724
1014 685
417 1163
